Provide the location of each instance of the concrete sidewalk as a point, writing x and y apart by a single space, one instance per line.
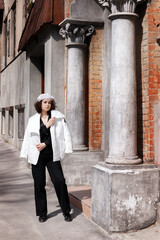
17 210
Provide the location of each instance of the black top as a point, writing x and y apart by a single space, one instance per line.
45 137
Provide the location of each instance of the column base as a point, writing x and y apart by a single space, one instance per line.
123 161
124 197
80 148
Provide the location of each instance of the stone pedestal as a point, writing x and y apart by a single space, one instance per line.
124 197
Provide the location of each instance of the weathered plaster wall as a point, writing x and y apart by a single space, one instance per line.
12 82
54 62
14 86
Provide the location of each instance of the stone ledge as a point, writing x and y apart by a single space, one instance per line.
80 197
126 167
81 22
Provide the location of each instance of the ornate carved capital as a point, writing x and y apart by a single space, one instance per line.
117 6
75 33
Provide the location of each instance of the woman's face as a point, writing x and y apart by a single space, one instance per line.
46 105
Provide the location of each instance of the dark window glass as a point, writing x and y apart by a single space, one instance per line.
10 123
21 123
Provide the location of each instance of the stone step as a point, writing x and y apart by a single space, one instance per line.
80 197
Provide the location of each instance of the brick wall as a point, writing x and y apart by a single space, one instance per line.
148 79
95 90
149 91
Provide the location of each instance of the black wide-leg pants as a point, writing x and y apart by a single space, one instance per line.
58 180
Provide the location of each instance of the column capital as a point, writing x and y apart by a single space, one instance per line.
76 33
116 6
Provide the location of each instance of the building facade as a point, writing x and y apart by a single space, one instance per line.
100 59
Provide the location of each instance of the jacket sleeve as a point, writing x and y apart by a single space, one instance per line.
24 149
67 138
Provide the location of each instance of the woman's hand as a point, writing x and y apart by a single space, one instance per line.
40 146
50 122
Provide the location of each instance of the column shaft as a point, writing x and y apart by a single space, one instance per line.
76 94
123 106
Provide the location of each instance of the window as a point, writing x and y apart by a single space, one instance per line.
10 122
21 123
8 36
5 27
20 109
3 121
14 30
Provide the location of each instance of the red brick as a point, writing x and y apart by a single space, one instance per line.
95 90
150 74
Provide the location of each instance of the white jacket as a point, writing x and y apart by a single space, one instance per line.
60 138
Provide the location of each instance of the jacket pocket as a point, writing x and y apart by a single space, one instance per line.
34 134
34 138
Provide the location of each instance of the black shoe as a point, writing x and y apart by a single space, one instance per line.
67 217
42 219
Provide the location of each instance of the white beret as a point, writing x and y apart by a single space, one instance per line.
44 96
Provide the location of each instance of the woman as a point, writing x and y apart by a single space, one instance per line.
45 143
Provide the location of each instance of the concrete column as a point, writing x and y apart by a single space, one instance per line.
125 198
76 94
48 65
77 83
123 105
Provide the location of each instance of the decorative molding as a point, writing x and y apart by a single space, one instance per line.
82 22
75 33
2 109
10 108
117 6
104 3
